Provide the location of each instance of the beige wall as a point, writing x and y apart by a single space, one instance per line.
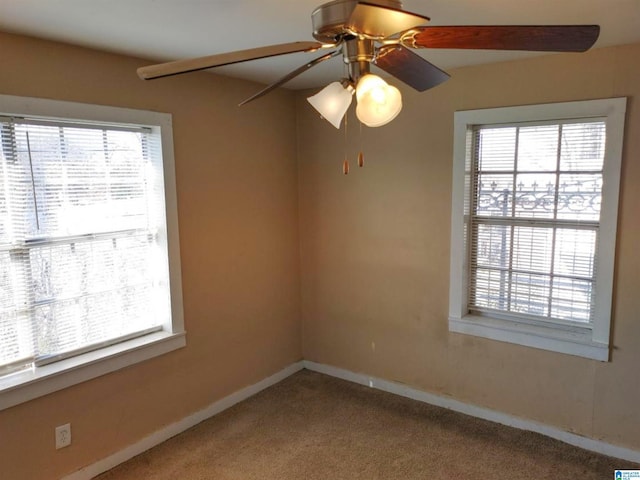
375 252
237 203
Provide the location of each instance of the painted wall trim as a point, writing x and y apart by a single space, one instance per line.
174 429
586 443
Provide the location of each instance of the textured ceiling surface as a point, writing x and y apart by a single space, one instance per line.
162 30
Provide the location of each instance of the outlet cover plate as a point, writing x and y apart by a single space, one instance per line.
63 436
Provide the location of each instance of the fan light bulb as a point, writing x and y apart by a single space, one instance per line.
332 102
378 102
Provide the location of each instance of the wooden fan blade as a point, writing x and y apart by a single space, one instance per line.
202 63
382 22
550 38
412 69
291 75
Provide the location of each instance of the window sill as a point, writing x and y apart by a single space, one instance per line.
576 341
26 385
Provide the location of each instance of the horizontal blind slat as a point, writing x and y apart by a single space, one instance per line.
49 359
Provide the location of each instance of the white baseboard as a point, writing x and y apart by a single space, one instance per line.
479 412
174 429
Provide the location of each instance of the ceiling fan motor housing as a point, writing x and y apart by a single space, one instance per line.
358 53
330 20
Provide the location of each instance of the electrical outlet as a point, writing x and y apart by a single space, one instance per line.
63 436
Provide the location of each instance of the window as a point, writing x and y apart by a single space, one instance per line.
85 270
535 198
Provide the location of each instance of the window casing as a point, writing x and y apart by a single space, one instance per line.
535 193
89 262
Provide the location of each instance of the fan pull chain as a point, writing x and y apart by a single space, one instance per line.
345 164
360 154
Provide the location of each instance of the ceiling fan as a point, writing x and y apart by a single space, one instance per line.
379 32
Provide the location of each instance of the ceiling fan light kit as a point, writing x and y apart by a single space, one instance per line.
378 102
379 32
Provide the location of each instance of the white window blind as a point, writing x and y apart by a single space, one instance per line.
81 258
535 218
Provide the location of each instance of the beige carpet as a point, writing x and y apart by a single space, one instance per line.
311 426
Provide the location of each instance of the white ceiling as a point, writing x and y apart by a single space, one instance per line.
163 30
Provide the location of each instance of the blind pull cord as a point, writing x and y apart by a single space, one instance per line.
33 184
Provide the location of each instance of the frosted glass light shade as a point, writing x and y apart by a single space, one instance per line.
332 102
378 102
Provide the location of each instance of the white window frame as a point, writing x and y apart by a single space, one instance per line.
592 341
28 384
